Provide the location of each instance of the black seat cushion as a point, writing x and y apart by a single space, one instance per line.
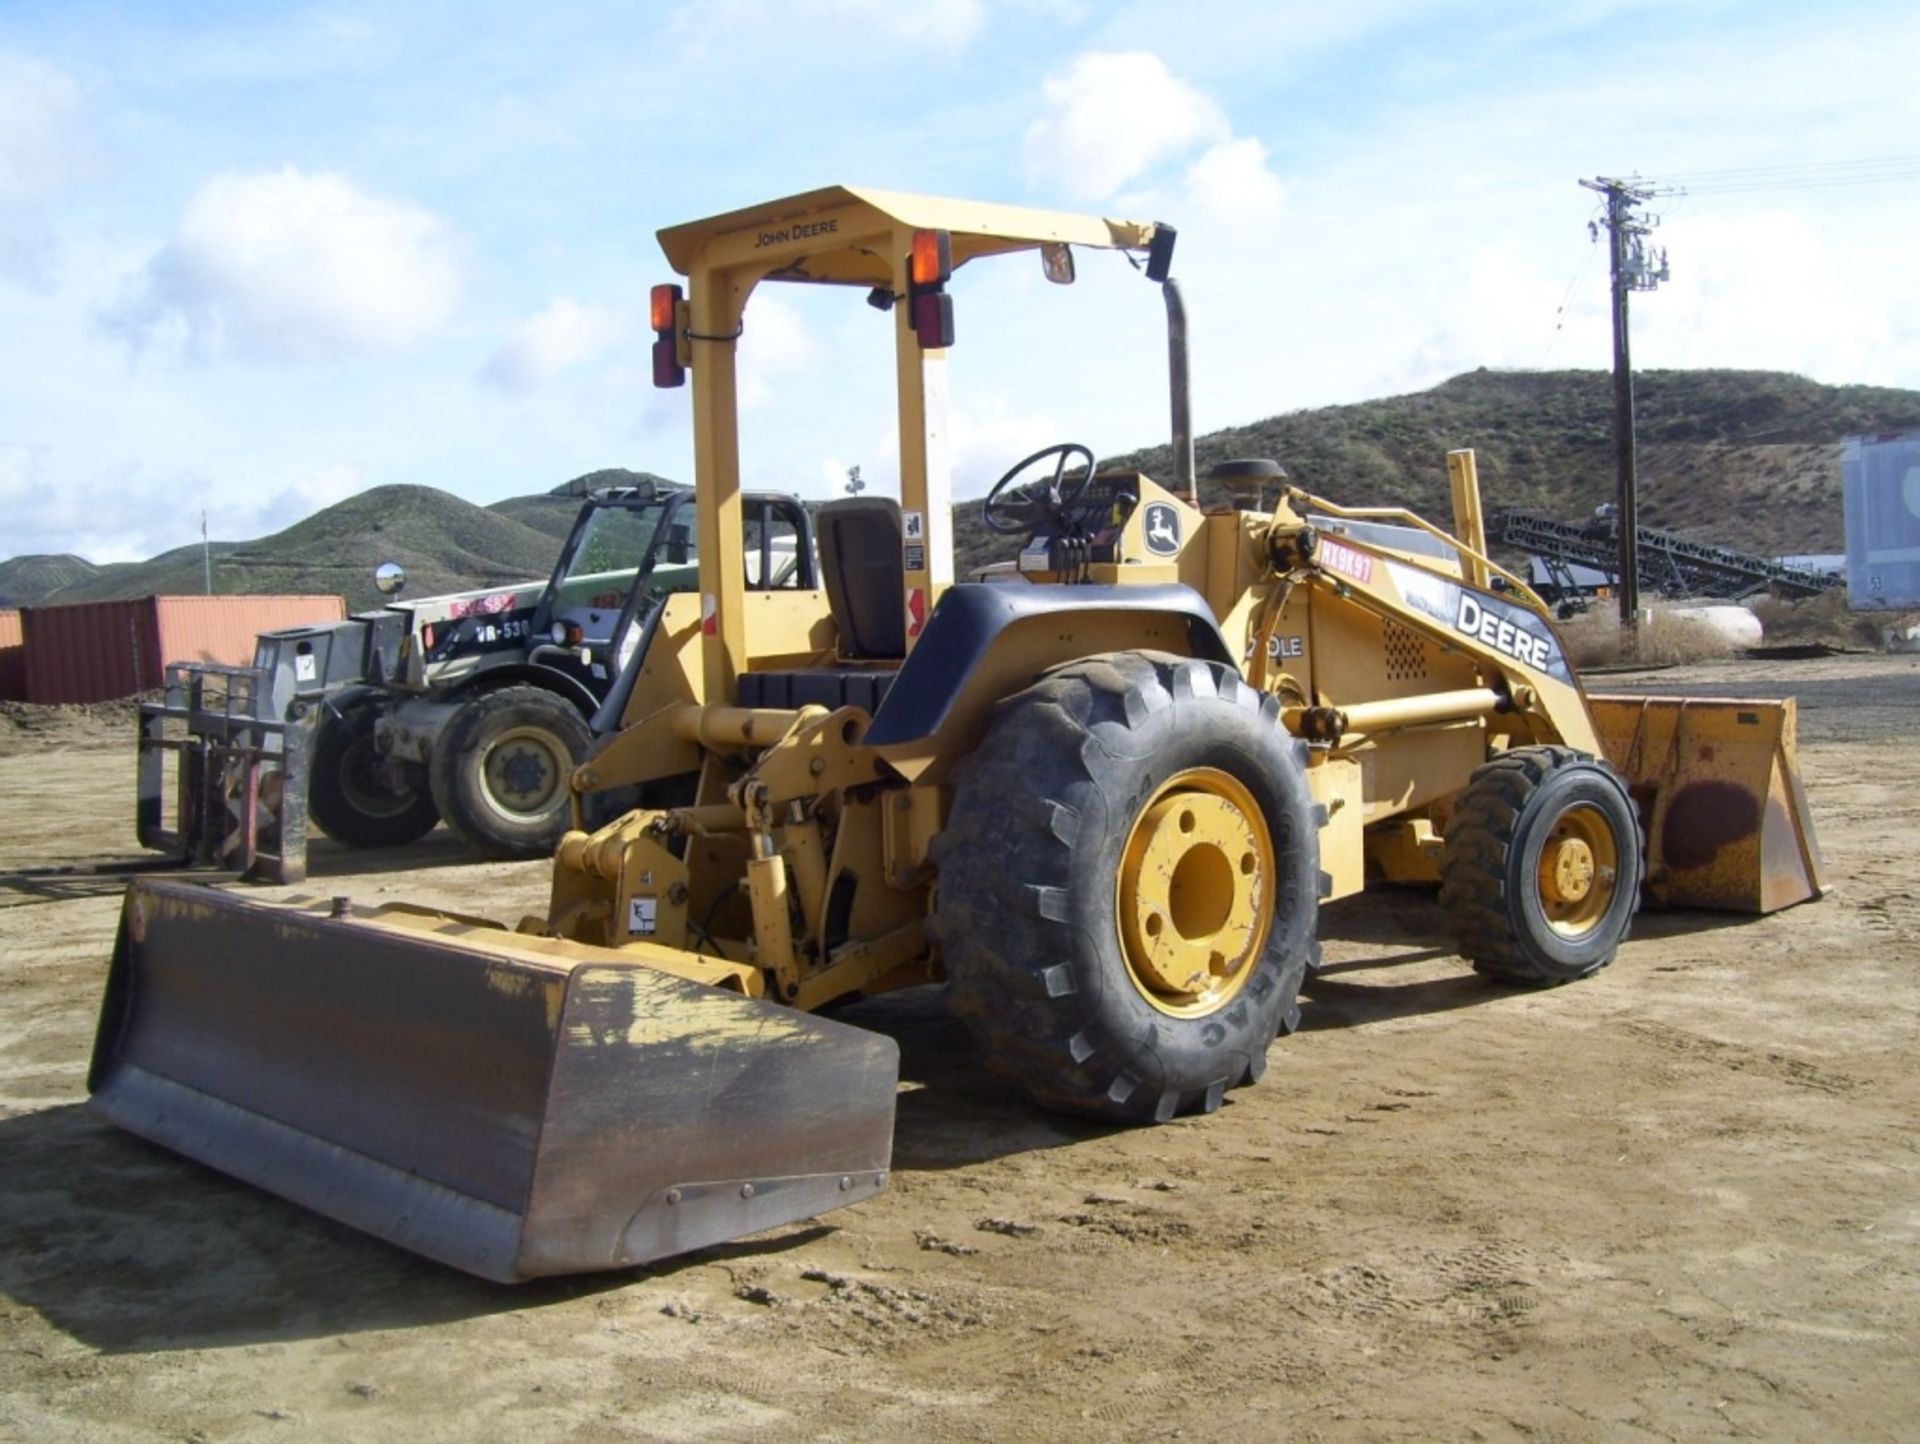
865 576
830 687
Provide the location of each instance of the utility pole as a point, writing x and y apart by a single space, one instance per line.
1632 270
206 551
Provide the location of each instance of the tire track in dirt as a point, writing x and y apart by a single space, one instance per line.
1754 1062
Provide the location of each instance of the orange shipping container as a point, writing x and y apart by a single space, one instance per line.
13 659
96 651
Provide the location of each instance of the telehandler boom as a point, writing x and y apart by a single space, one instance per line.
1099 803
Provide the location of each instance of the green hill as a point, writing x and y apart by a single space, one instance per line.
445 544
553 511
25 580
1744 458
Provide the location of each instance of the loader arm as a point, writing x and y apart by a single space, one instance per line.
1523 673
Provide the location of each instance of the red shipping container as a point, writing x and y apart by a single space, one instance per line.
13 659
96 651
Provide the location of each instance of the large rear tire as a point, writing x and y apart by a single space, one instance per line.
500 770
1128 887
1542 868
350 795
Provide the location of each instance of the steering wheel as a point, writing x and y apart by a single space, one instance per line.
1022 508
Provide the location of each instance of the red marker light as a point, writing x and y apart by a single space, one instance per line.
933 320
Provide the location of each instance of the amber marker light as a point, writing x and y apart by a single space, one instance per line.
932 258
928 268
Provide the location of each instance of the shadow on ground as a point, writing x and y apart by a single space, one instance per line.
131 1249
1400 929
326 859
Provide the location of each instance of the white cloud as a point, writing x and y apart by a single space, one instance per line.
44 147
1231 179
564 335
1766 290
1110 118
289 266
88 514
774 342
329 484
89 517
40 120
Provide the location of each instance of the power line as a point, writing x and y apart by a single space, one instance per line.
1560 311
1805 175
1900 162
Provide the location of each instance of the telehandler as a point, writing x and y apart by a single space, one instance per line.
1099 802
471 707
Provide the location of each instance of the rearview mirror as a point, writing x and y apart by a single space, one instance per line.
1056 259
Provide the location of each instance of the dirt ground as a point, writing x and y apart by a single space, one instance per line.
1678 1200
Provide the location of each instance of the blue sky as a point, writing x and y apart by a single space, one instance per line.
256 258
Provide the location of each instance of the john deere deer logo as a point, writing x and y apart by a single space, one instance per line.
1162 528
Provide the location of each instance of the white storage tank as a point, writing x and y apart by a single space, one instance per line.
1734 624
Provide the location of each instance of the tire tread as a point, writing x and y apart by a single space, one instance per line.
1004 896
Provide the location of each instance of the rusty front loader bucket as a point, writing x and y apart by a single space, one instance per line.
508 1105
1720 795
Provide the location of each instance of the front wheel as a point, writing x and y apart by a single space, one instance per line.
1128 887
501 766
357 797
1542 866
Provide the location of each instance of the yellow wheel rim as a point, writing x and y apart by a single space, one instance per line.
525 769
1579 870
1194 901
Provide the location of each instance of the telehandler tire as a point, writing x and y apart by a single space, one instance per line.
1542 868
500 770
350 802
1128 886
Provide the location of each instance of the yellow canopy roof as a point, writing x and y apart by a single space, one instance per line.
977 228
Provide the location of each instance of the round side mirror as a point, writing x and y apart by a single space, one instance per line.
389 577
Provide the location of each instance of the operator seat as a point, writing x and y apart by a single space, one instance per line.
865 575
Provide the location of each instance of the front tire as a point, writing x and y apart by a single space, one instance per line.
1128 887
349 796
501 767
1542 866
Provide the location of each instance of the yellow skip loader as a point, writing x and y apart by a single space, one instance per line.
1098 800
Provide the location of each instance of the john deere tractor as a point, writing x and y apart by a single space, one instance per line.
1097 805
